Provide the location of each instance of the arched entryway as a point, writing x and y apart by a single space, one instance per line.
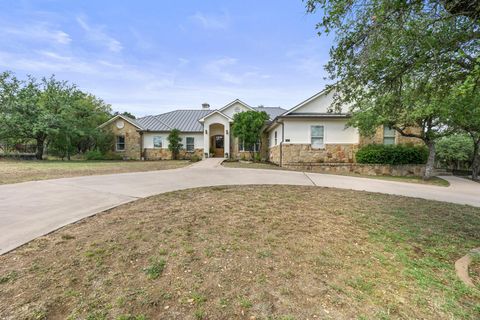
217 140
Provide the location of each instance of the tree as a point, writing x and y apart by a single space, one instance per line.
247 127
49 112
125 113
174 143
462 109
455 151
394 62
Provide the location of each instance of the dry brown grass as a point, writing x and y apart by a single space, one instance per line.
268 252
21 171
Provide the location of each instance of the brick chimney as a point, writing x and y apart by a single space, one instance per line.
205 106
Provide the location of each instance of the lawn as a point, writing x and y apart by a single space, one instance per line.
21 171
250 252
264 165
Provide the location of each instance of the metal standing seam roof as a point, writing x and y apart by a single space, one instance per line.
187 120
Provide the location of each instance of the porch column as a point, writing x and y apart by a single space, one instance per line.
206 140
226 140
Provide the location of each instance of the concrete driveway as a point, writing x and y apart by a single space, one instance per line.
31 209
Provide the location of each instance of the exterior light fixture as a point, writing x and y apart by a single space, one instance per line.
206 131
226 131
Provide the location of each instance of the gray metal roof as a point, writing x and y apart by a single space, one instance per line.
187 120
183 120
272 112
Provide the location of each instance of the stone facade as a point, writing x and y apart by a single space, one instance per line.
245 155
165 154
274 154
332 153
133 139
377 138
357 168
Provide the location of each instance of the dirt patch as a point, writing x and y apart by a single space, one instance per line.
268 252
21 171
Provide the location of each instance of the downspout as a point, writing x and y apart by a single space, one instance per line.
142 155
281 144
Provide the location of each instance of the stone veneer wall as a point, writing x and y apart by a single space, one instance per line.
235 154
357 168
165 154
274 154
132 140
332 153
377 138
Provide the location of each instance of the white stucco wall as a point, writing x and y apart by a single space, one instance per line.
148 139
213 119
335 132
271 135
230 111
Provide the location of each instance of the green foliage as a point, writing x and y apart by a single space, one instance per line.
155 269
392 154
49 112
98 155
174 143
395 62
247 127
455 150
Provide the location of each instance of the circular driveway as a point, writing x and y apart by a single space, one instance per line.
31 209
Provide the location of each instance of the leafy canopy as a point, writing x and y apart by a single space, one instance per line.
247 126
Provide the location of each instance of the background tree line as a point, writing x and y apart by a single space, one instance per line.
52 114
407 64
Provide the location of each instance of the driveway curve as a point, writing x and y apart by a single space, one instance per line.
32 209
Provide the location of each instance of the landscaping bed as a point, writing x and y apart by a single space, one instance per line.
21 171
250 252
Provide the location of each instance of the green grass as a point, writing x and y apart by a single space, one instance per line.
156 267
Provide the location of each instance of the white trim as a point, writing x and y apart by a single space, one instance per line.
120 116
323 136
301 104
236 101
217 112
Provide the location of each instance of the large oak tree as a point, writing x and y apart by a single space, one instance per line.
395 61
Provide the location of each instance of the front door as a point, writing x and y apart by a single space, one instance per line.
217 143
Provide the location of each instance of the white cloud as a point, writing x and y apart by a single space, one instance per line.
211 22
98 35
38 32
228 70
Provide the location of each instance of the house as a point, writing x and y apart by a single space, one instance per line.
308 132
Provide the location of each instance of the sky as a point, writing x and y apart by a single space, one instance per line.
149 57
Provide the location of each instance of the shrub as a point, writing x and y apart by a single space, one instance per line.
98 155
94 155
392 154
195 158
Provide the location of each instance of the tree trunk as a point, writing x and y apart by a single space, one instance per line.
476 160
39 152
430 166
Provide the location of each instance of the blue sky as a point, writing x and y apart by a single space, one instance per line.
148 57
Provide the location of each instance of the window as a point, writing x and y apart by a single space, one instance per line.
243 148
388 135
275 138
190 142
157 142
316 136
120 145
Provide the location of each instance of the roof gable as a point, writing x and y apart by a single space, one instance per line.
133 122
216 112
317 104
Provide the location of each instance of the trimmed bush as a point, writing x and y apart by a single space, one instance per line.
392 154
